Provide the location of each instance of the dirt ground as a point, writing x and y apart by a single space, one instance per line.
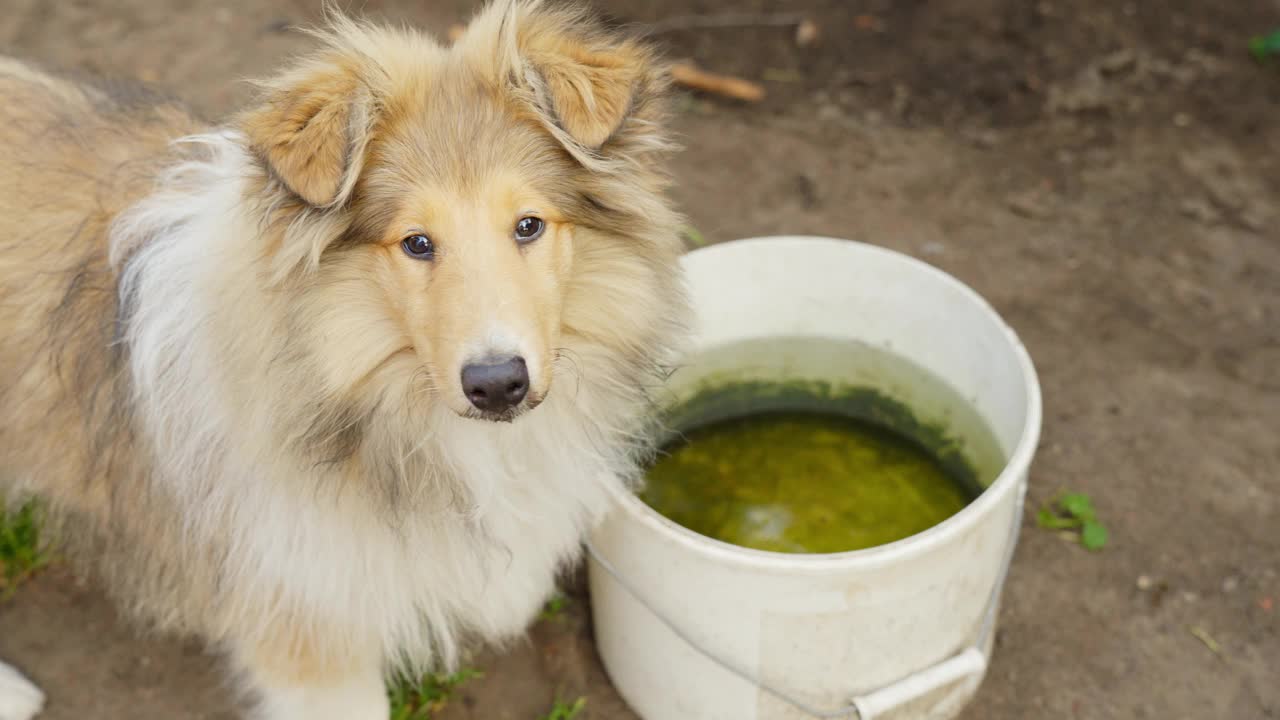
1105 172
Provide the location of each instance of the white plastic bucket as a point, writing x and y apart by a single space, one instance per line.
691 628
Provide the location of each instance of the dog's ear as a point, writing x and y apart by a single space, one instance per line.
584 85
581 80
312 128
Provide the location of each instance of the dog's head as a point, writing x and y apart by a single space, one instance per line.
460 215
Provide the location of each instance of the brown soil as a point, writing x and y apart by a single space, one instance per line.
1104 172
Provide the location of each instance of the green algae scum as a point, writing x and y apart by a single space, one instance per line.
811 467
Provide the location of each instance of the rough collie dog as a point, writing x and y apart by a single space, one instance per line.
339 385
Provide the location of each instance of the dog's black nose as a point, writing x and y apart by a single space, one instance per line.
496 387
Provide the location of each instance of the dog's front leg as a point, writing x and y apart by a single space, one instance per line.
296 678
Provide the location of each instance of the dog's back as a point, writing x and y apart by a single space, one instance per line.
64 170
71 157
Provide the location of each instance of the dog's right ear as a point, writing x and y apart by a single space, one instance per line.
312 128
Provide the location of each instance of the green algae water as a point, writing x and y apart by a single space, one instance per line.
802 482
767 459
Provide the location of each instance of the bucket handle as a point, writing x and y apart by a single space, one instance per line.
970 662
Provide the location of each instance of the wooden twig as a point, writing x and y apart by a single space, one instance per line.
688 75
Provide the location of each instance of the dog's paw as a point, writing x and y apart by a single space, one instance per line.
19 699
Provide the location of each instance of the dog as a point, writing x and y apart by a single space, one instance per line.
338 386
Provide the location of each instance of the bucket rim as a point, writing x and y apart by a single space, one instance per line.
1013 473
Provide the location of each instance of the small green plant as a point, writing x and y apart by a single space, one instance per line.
1074 512
693 238
21 553
555 607
565 711
1264 46
422 698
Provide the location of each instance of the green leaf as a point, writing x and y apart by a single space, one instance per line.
1077 505
1093 535
1050 520
565 711
554 607
1258 48
420 698
1265 45
21 551
693 237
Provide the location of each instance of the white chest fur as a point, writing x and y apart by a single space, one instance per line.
418 580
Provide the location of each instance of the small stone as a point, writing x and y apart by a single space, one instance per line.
1251 219
807 188
1205 63
1188 596
829 112
933 248
1230 584
901 100
867 22
1162 68
1117 61
1028 205
1199 209
806 33
1145 582
1181 120
981 137
1087 92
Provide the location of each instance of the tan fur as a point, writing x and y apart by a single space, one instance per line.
74 157
590 90
289 655
312 130
240 397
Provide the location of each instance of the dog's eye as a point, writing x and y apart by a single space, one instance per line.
419 247
529 229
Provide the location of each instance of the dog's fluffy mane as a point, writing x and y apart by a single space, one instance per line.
245 427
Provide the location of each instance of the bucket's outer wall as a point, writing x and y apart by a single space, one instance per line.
828 627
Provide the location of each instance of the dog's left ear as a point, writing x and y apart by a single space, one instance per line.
584 86
312 129
582 80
